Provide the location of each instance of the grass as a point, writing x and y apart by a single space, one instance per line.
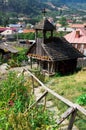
19 48
70 87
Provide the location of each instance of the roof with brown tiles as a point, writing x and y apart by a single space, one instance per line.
28 31
76 25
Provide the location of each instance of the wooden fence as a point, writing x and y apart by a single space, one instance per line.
71 111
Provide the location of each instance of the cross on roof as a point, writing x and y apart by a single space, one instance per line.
44 11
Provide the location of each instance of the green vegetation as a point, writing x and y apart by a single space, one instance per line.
63 21
82 99
11 11
16 60
72 87
28 36
15 99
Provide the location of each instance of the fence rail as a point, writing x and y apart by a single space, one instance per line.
73 108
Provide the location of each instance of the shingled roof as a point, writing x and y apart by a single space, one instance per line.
44 25
59 49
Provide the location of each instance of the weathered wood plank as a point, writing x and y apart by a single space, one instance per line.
32 83
73 115
65 115
42 96
81 109
66 101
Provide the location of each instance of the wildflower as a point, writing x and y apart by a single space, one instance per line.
11 103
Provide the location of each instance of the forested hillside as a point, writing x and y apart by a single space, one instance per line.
11 10
27 7
65 1
32 7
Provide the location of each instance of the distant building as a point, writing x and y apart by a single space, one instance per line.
6 50
76 26
65 29
18 26
2 29
8 32
78 39
28 31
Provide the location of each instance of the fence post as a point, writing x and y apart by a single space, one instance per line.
32 83
71 122
45 102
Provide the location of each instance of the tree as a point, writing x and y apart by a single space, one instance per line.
63 21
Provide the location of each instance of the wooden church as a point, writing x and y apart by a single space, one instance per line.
53 54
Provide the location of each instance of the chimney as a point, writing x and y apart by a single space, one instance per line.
77 35
85 26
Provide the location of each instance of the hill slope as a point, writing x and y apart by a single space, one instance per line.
33 7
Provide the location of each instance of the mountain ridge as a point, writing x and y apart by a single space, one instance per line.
34 7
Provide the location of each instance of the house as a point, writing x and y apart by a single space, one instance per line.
59 28
16 26
76 26
65 29
2 29
53 54
8 34
6 50
78 39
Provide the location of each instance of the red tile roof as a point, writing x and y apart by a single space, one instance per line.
6 28
72 38
28 30
76 25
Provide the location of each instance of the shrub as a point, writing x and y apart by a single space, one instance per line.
81 99
15 99
17 60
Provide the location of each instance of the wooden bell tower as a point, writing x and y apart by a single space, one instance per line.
43 27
